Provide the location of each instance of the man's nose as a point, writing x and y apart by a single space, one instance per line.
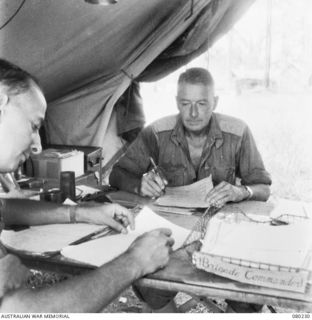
194 110
36 145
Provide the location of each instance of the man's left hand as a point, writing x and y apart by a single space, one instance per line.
225 192
111 214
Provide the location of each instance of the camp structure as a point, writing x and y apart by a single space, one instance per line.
91 58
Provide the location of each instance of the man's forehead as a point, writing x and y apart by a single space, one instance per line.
32 100
186 87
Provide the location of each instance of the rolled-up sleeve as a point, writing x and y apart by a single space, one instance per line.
251 166
127 172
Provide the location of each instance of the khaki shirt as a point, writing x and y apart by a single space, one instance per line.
230 154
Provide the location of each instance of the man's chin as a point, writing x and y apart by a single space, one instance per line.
194 126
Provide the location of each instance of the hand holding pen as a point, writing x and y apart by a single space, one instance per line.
153 183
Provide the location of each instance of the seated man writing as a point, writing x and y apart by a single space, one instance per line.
22 109
193 145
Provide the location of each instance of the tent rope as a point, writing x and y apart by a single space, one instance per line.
191 10
13 15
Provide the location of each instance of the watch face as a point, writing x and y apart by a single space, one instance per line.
250 193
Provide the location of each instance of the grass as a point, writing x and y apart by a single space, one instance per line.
281 124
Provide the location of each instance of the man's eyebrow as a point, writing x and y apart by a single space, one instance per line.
184 99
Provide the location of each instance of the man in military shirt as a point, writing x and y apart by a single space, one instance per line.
190 146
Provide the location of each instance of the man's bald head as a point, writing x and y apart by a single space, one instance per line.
15 80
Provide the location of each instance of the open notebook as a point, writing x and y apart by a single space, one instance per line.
102 250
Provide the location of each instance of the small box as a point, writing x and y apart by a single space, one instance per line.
51 162
92 158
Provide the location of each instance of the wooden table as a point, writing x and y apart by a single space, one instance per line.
181 275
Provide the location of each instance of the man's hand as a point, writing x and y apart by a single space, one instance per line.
13 274
152 185
151 250
225 192
111 214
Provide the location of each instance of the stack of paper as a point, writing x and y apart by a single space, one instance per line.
258 253
190 196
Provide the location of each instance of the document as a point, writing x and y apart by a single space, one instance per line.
41 240
190 196
102 250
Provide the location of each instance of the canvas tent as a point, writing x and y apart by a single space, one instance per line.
91 58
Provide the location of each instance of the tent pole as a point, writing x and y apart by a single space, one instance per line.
268 44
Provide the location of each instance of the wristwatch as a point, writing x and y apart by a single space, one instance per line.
249 190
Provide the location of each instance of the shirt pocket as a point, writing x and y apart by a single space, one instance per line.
174 175
223 173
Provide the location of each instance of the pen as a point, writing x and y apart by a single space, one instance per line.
91 236
155 168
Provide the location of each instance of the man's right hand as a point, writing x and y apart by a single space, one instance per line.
152 185
151 250
13 274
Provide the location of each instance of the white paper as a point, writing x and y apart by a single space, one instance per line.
47 238
285 245
100 251
285 209
190 196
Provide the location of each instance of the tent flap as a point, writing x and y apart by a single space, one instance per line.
87 56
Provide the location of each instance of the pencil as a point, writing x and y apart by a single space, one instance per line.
157 171
153 164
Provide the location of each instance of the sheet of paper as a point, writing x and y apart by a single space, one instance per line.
175 210
286 209
83 190
48 238
190 196
100 251
285 245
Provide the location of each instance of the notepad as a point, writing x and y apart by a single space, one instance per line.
100 251
190 196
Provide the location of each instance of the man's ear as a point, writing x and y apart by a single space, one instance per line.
215 103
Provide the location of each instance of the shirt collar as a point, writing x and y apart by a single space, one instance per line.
215 133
